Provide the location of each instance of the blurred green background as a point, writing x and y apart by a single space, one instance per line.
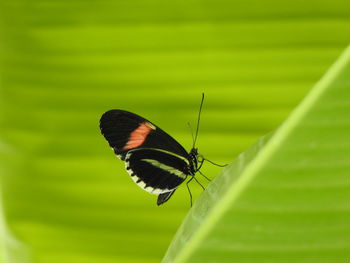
65 197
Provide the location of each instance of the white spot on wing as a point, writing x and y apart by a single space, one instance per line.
118 155
151 125
157 191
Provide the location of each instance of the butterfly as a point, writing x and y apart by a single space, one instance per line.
155 161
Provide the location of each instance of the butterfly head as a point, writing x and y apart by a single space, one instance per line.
193 160
194 152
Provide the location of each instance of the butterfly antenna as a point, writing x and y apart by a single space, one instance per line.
190 127
198 120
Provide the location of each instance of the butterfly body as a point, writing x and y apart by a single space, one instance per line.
155 161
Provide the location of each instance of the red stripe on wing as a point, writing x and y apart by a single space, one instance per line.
139 135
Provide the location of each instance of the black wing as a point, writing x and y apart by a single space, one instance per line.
157 171
125 131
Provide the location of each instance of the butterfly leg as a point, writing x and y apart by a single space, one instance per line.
200 166
188 188
220 165
199 183
204 176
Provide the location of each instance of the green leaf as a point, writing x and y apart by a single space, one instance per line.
64 195
284 201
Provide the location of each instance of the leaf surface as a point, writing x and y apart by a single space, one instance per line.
284 201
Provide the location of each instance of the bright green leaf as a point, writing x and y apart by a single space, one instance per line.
286 201
64 196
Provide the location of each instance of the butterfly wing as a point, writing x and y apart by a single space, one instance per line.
157 171
125 131
155 161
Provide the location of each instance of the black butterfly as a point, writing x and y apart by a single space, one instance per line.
155 161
